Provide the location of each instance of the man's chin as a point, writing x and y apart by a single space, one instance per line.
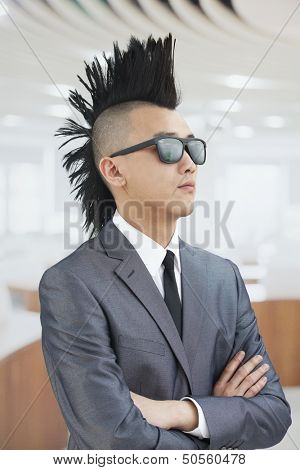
183 210
189 210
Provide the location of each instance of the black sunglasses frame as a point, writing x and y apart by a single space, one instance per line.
154 141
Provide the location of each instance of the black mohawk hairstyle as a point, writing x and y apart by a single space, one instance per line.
143 72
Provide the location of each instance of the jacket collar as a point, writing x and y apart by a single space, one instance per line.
151 252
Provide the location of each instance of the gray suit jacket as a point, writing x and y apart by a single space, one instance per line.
106 331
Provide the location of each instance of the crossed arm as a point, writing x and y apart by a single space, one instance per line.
86 379
245 411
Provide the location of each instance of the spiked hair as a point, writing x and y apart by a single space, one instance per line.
142 73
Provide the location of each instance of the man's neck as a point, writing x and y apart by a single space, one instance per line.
153 225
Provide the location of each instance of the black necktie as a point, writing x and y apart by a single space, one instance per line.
172 298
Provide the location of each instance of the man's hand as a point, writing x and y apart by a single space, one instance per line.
241 382
167 414
157 412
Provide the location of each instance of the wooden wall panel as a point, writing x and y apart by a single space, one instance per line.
279 325
24 384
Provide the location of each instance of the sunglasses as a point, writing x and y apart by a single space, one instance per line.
170 149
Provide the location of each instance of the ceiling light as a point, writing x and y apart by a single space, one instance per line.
12 120
243 132
274 121
240 81
218 122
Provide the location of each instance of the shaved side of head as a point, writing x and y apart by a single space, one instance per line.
112 130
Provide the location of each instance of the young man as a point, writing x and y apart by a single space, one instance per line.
141 331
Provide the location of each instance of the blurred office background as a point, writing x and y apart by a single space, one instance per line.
237 64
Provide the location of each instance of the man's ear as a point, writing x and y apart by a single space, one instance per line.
110 173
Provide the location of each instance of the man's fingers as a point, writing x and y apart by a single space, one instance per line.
253 378
256 388
244 372
230 369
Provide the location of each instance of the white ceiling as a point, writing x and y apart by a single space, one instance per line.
220 45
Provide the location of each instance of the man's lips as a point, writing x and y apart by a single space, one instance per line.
187 188
190 184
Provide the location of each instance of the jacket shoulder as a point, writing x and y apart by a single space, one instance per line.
212 258
79 260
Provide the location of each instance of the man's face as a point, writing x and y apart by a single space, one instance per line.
149 181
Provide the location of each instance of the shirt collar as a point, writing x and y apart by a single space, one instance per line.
151 252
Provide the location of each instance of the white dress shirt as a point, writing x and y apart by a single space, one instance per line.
153 254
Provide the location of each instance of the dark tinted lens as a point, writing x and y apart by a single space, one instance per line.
197 151
170 150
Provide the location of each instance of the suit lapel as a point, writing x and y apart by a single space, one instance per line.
194 288
133 272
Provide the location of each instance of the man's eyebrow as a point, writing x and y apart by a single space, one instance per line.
170 134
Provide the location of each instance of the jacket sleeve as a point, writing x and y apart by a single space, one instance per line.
200 431
87 381
247 423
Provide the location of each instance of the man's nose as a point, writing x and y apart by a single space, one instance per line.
187 159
